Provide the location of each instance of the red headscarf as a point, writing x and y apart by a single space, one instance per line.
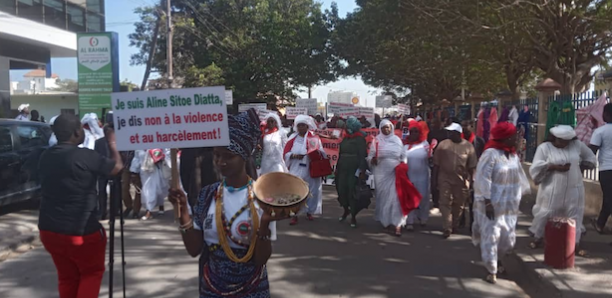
422 135
499 134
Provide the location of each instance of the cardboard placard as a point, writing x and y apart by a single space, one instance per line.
293 112
171 118
308 103
385 101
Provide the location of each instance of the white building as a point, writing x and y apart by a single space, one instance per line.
34 82
34 32
341 96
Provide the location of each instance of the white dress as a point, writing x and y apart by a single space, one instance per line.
503 181
155 177
90 140
301 168
561 194
417 159
272 158
390 155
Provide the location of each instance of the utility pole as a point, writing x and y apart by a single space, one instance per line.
169 41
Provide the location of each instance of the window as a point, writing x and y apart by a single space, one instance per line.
7 6
55 15
6 139
30 9
95 6
76 18
94 22
30 136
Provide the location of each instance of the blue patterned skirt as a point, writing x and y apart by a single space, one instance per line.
222 278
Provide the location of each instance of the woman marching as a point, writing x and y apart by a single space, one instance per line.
417 158
352 157
296 157
499 184
557 168
392 203
229 230
153 166
274 141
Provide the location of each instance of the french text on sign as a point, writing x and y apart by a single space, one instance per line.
171 118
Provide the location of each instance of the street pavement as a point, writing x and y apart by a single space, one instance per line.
323 258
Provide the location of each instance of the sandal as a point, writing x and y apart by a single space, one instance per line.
294 221
500 268
309 217
597 228
353 223
398 232
446 234
409 228
491 278
582 253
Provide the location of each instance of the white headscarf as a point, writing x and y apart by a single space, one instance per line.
388 143
306 120
23 107
564 132
91 119
279 124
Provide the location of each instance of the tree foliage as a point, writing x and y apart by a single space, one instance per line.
66 85
262 49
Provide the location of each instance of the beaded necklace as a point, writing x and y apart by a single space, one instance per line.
223 231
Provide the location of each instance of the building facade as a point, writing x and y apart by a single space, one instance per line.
341 96
34 31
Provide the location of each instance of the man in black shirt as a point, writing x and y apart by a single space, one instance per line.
68 221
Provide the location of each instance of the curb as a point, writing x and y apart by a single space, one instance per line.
6 251
532 282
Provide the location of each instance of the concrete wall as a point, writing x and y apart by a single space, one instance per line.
47 105
593 197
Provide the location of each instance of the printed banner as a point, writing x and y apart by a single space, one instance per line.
385 101
171 118
403 109
292 112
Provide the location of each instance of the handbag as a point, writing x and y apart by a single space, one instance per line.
363 195
319 166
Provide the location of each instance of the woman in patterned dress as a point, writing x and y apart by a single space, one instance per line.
229 230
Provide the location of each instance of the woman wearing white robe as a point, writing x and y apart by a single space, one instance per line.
274 141
386 153
155 179
93 131
298 162
556 168
417 159
500 182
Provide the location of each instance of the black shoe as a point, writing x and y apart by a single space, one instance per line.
127 212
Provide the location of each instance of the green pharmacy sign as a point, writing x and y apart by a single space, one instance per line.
98 63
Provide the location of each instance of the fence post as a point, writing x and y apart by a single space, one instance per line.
474 99
546 89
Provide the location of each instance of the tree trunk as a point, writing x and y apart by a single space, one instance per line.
145 79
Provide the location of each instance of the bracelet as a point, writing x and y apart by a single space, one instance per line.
187 225
262 237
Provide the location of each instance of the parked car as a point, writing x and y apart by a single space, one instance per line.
21 143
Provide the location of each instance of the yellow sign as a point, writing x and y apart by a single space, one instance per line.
355 100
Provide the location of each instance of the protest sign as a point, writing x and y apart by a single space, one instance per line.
229 97
308 103
384 101
292 112
171 118
342 109
403 109
257 106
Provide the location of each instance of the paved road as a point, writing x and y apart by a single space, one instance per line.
323 258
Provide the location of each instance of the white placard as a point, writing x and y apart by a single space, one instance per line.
403 109
309 103
342 109
229 97
171 118
367 112
257 106
294 112
384 101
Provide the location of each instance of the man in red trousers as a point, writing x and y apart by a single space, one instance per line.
68 221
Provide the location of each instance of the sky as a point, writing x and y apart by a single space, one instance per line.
120 18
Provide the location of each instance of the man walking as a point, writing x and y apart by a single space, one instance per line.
602 141
454 164
68 220
479 145
24 111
